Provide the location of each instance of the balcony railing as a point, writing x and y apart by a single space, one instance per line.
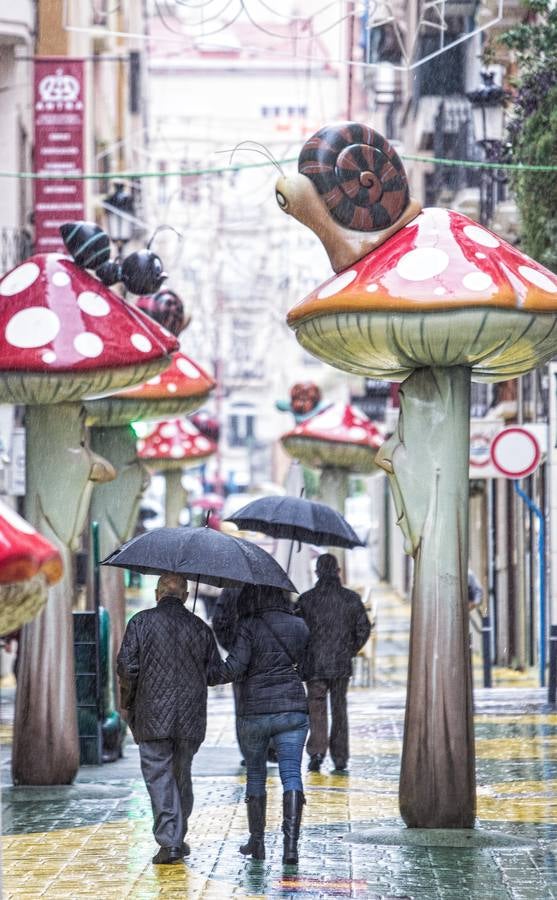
16 244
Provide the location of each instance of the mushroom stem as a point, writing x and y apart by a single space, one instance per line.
58 469
427 462
333 490
174 498
115 507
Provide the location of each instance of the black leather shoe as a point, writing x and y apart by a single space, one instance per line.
315 761
185 849
340 769
168 856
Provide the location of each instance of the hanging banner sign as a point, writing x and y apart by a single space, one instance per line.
59 147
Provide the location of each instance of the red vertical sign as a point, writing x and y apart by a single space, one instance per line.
59 147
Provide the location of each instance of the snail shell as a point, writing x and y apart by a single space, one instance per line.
87 242
167 309
358 174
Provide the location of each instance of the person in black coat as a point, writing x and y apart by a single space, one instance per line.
271 704
167 658
339 627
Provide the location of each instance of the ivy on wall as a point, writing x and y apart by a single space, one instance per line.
532 131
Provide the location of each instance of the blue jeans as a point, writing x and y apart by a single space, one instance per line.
288 731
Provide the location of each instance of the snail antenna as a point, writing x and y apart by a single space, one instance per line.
259 148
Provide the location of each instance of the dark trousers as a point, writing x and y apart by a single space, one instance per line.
337 739
166 768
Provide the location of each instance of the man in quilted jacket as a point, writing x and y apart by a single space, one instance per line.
167 658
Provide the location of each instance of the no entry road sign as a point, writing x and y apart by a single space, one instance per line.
515 452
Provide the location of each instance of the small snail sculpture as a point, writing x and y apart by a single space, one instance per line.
305 401
351 190
167 309
141 272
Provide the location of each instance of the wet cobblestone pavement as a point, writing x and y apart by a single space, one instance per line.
93 839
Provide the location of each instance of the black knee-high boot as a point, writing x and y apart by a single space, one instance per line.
255 846
292 806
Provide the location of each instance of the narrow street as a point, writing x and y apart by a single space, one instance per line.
93 838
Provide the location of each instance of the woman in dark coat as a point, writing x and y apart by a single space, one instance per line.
271 704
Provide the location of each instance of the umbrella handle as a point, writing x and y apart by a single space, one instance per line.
195 595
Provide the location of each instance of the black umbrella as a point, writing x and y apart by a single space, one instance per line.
298 520
201 554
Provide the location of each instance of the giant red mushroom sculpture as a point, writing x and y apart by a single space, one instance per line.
63 336
339 440
182 388
170 447
436 303
28 565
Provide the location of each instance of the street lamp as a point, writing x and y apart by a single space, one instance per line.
488 119
120 214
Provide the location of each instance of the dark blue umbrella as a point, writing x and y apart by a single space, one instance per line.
296 519
200 554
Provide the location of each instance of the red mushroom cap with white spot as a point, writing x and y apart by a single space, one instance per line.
442 291
182 388
64 335
341 437
24 553
175 444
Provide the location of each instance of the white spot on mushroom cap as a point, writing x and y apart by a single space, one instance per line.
140 445
15 520
88 344
49 356
337 284
480 236
155 380
61 279
20 279
371 288
358 433
32 327
187 368
164 448
171 388
539 279
177 452
422 263
93 304
169 430
203 443
439 291
477 281
141 343
480 255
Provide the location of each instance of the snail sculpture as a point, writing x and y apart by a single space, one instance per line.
167 309
351 190
140 272
305 401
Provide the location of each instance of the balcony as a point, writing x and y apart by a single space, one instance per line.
16 245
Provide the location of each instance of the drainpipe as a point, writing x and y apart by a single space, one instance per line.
541 568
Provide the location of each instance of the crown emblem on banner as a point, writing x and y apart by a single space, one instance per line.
60 89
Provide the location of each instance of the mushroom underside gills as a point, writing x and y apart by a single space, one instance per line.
114 506
115 411
498 343
58 468
427 461
21 602
337 454
61 387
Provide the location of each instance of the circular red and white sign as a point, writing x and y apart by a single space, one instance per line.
515 452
